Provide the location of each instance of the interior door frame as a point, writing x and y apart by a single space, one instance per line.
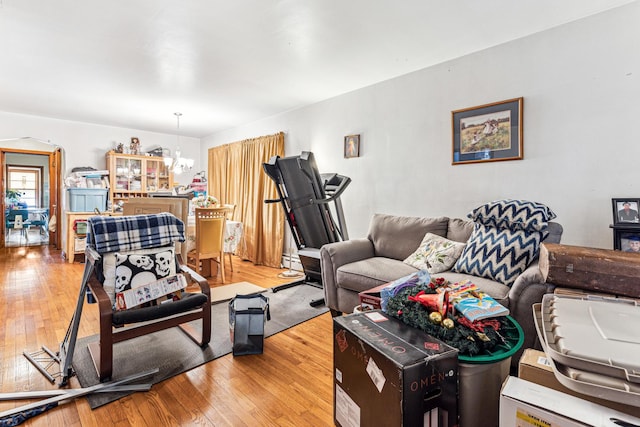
55 187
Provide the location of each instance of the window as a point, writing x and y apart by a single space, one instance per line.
28 181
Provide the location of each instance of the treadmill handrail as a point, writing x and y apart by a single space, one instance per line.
336 194
338 191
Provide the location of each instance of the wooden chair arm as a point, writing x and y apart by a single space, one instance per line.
98 292
193 275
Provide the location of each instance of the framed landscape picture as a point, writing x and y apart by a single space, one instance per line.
488 133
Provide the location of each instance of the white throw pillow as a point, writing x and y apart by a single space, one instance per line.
435 254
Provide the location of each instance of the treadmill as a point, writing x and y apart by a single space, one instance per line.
306 197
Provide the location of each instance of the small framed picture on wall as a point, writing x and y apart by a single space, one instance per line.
351 146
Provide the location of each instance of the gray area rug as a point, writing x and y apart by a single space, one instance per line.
173 352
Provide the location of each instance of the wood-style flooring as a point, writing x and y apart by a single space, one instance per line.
31 236
290 384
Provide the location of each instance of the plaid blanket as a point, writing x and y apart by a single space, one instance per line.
125 233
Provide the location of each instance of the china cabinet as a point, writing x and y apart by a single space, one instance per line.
133 175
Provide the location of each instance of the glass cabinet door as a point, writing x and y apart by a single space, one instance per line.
133 175
157 175
128 174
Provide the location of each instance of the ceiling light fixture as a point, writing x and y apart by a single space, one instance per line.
178 164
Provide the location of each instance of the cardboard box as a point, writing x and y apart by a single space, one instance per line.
535 367
376 298
526 404
389 374
370 299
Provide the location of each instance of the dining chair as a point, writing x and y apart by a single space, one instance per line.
228 210
231 209
210 227
18 219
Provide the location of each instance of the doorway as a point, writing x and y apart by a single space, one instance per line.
30 182
27 212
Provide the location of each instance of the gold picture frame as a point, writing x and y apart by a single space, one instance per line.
488 133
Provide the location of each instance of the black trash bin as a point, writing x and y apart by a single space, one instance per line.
247 317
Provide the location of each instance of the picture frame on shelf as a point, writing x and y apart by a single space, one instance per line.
625 211
628 241
488 133
351 146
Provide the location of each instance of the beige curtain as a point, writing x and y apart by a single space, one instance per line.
236 176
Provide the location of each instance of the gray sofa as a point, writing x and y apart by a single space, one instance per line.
356 265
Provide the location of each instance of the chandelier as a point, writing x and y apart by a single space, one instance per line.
178 164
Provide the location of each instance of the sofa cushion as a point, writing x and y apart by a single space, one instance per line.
397 237
459 229
371 272
498 254
513 215
435 254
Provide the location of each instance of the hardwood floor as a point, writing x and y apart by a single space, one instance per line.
290 384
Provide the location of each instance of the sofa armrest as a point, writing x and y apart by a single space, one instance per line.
531 275
527 290
334 256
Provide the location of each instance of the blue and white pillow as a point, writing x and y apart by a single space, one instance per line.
513 215
498 254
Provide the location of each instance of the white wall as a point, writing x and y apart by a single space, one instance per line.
581 85
86 144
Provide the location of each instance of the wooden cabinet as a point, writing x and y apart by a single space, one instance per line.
75 242
136 176
76 236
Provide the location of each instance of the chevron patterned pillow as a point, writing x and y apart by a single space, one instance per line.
513 215
498 254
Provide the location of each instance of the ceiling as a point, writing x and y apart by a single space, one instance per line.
225 63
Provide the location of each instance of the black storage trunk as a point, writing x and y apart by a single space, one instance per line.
247 317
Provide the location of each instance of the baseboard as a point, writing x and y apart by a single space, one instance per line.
295 262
